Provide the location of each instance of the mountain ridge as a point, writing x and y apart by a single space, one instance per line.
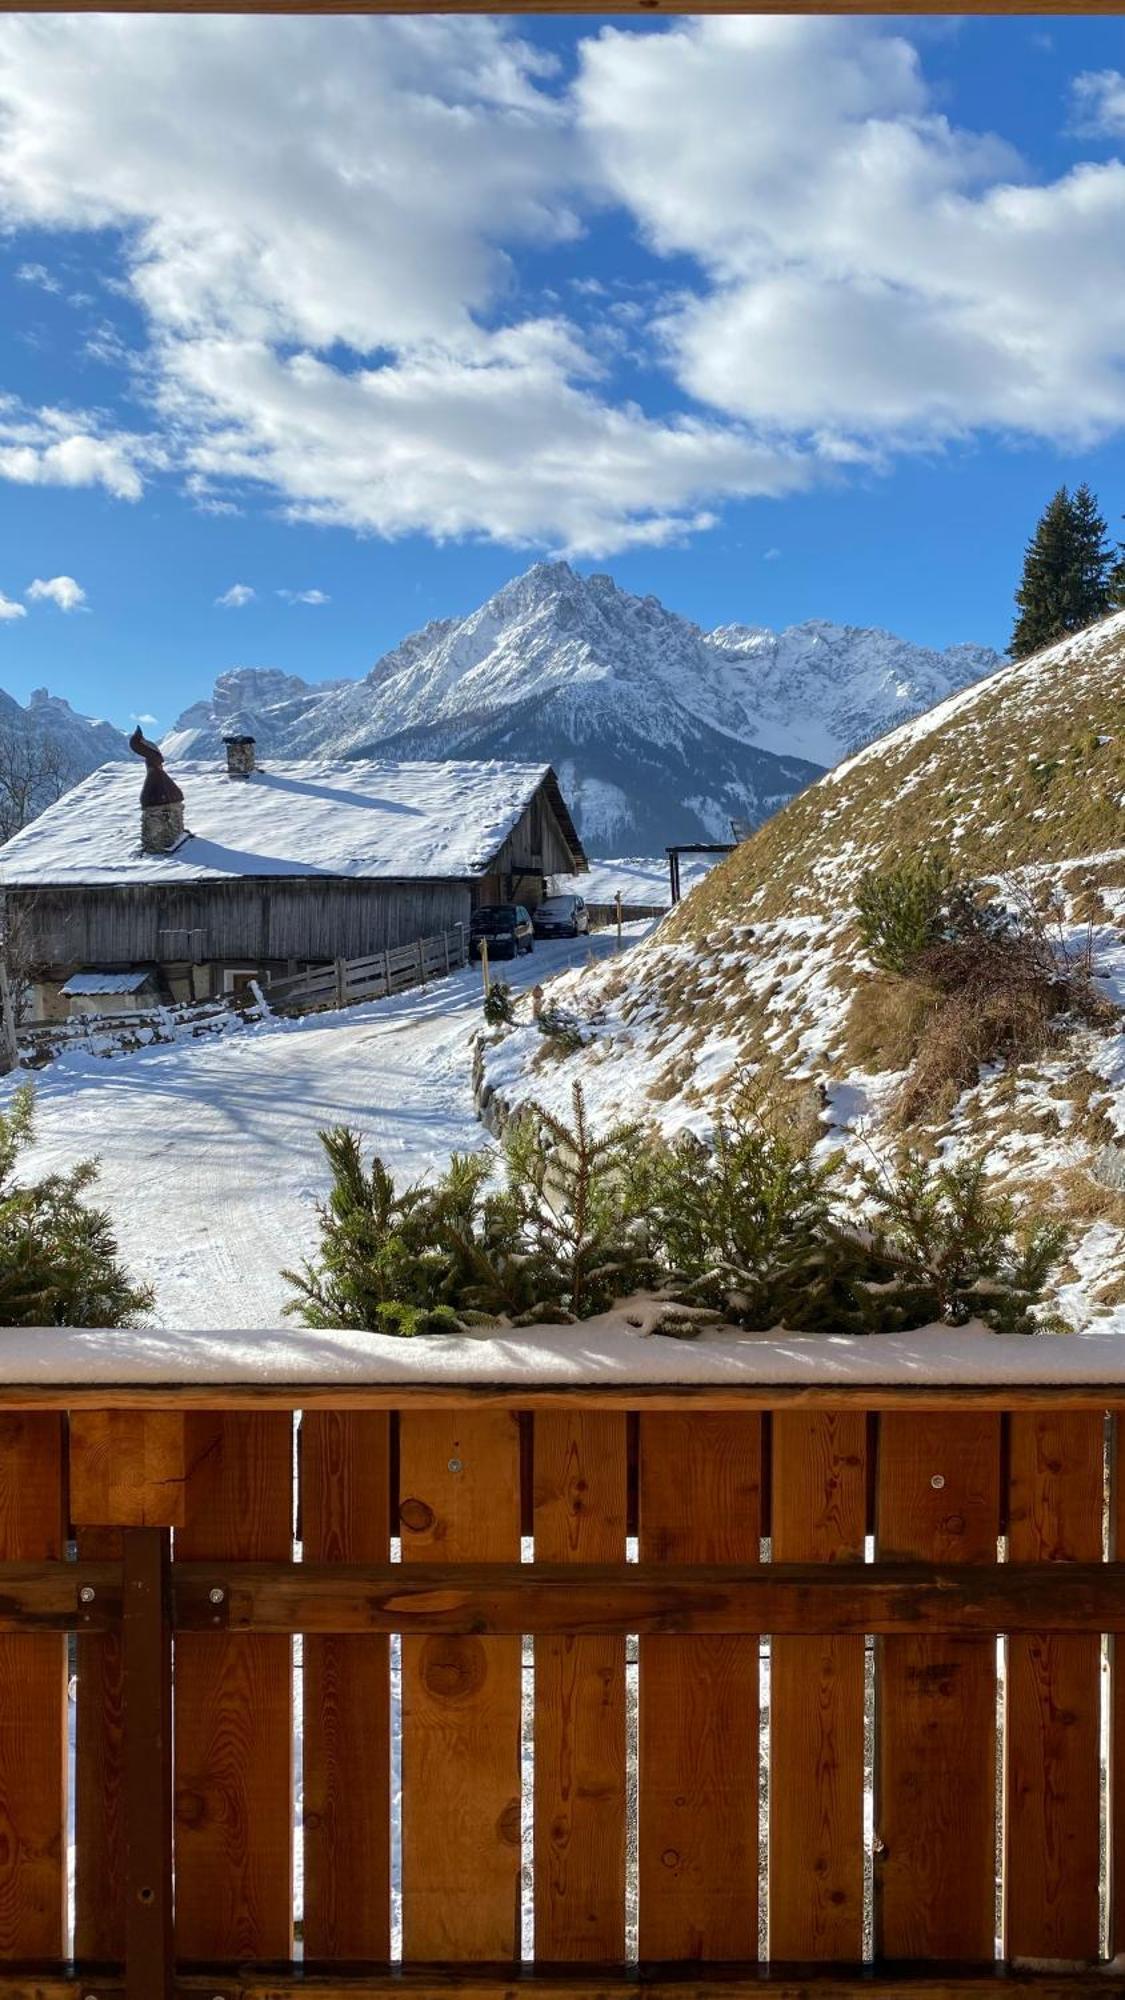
659 730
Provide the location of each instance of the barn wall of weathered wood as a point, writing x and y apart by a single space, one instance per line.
537 847
270 919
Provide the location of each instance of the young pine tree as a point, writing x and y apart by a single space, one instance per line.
1067 568
58 1258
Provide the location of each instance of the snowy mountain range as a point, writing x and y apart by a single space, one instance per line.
659 731
76 744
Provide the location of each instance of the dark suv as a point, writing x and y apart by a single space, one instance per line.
507 927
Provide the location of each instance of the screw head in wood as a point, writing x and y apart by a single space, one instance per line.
938 1480
216 1594
86 1594
456 1465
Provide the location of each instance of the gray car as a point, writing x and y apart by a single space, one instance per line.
561 916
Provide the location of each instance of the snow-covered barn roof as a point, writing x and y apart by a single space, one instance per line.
372 820
105 982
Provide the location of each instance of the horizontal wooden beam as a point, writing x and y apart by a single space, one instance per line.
778 1598
621 1396
658 1983
801 1598
480 1982
59 1596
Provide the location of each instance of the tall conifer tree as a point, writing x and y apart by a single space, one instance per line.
1066 573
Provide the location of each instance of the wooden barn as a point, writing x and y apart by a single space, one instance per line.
238 871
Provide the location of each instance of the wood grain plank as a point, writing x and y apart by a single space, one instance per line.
938 1497
234 1723
127 1468
580 1501
1054 1697
819 1482
699 1501
32 1704
345 1517
461 1788
99 1817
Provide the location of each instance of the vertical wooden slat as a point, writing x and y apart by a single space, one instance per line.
460 1485
580 1506
345 1500
147 1646
935 1805
99 1813
234 1721
32 1703
699 1501
819 1497
1051 1865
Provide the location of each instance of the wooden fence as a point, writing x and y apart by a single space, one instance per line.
881 1539
371 978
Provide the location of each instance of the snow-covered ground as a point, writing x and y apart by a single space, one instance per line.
210 1163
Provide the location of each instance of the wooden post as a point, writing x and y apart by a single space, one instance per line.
9 1044
148 1765
445 942
387 973
421 962
341 980
484 966
617 900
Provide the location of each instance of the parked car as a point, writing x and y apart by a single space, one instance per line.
507 927
561 916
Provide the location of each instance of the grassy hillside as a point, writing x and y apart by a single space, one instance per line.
758 984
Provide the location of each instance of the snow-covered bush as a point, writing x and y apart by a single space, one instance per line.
563 1031
58 1257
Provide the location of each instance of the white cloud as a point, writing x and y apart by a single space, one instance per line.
37 274
1097 103
771 555
54 447
10 610
60 590
305 596
871 277
238 595
150 721
338 321
337 324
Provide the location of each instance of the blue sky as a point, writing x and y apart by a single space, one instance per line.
776 319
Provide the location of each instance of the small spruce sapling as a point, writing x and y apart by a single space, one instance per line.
58 1257
499 1010
946 1248
573 1202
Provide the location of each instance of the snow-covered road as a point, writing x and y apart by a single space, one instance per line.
210 1163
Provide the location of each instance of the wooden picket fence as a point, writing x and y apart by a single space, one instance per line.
933 1520
345 980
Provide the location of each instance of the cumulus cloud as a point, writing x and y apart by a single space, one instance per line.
1097 103
305 596
59 590
238 595
343 326
54 447
339 322
870 275
10 610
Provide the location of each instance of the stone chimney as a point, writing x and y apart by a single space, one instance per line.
162 802
239 743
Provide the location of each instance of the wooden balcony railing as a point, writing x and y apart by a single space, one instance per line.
568 1764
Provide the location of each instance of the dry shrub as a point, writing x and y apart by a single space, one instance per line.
886 1020
975 1026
